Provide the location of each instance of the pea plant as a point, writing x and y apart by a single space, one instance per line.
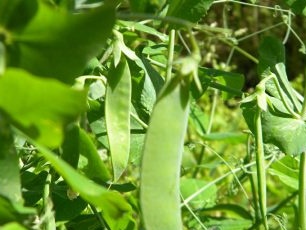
152 114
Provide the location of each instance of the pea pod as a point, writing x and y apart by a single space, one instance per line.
117 115
160 171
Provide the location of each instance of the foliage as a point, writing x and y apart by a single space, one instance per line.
142 115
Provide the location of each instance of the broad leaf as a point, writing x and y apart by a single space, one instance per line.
297 6
15 14
287 170
13 226
10 185
57 43
206 199
229 83
95 168
190 10
271 52
287 133
66 207
229 224
10 211
160 169
39 107
146 6
116 211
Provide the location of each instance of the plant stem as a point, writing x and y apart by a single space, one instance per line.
99 217
170 55
261 169
252 180
48 220
302 192
144 125
208 130
2 58
303 113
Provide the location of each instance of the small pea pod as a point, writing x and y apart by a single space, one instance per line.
160 171
117 115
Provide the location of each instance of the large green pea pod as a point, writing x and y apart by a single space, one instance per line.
160 171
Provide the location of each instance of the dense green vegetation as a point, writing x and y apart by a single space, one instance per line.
152 114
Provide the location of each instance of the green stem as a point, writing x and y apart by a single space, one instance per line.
99 217
252 180
2 58
196 54
136 118
302 192
170 55
208 130
49 221
282 95
261 169
303 113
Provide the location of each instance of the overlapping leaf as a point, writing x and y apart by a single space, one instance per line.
55 42
39 107
190 10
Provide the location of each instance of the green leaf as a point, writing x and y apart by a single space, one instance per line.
117 115
13 226
70 147
206 199
190 10
39 107
57 43
95 168
33 186
288 134
297 6
66 208
15 14
146 6
232 210
229 83
229 224
287 170
11 211
144 28
116 211
271 52
227 137
10 185
160 169
285 84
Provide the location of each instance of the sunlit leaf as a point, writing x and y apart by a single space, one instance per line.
115 209
206 199
10 211
10 186
39 107
297 6
190 10
95 167
57 43
229 83
146 6
287 133
286 169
